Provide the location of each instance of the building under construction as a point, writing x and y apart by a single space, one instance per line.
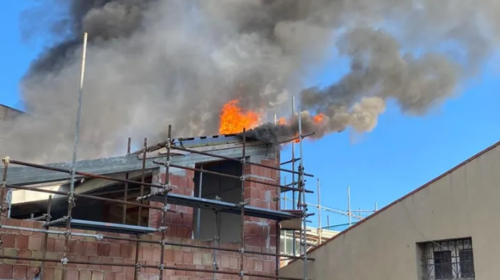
187 208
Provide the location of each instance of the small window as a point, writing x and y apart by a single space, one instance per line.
443 265
466 263
448 260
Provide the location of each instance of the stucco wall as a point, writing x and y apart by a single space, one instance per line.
461 203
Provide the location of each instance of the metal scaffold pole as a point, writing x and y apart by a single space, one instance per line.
303 202
71 198
215 264
294 241
242 204
349 212
163 227
125 193
320 230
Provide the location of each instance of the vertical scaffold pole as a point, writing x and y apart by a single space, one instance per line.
242 204
46 236
215 265
303 193
71 198
125 193
163 227
294 241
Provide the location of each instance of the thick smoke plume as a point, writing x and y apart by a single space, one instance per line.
156 62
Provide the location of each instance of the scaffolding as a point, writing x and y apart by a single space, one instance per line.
165 196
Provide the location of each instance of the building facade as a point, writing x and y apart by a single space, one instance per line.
446 229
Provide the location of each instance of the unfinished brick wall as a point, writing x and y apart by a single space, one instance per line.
259 236
27 244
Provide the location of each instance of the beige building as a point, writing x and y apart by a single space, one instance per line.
446 229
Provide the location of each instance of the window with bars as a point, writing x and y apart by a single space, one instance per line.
448 260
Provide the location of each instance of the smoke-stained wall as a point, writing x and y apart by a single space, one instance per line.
157 62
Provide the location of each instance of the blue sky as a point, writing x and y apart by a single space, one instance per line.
401 154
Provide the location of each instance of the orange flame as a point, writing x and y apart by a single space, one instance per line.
318 118
233 119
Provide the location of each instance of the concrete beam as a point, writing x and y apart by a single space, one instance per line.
26 175
95 184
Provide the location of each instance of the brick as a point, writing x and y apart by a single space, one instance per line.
71 274
19 272
35 243
147 253
51 245
225 261
6 271
117 268
154 277
187 258
198 258
8 240
103 249
250 264
207 258
22 241
91 248
10 252
168 256
259 266
85 275
108 275
120 275
114 250
57 273
77 247
48 273
267 266
94 259
24 253
82 258
97 275
156 254
106 260
233 263
127 251
59 245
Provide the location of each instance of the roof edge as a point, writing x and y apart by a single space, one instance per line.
12 108
405 197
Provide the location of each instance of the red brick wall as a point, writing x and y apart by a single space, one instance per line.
259 233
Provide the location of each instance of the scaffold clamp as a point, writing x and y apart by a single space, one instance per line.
99 237
241 250
163 229
64 261
6 160
215 266
161 267
241 273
